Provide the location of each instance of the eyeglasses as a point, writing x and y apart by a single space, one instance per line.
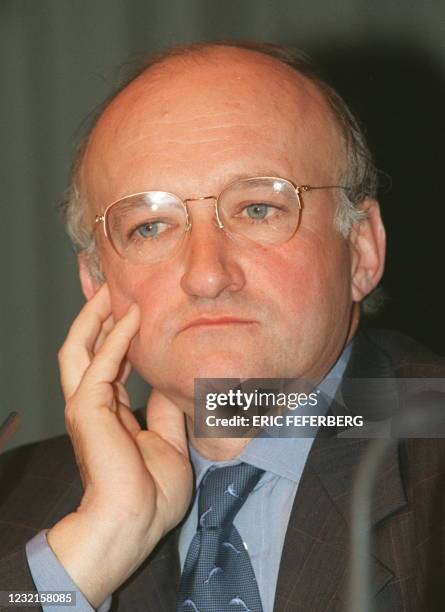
150 226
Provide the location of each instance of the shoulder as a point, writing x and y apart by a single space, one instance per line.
49 458
408 371
385 352
52 459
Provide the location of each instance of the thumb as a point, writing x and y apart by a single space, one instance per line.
167 420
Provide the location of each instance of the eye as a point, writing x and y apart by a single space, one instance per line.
259 210
150 229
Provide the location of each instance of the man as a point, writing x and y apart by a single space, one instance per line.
224 204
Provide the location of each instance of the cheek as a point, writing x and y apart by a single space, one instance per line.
137 284
312 279
152 296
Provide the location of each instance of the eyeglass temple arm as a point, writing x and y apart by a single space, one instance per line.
302 188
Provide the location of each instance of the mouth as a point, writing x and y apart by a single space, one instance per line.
216 322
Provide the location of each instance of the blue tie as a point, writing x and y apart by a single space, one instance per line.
218 575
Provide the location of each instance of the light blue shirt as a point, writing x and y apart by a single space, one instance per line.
262 521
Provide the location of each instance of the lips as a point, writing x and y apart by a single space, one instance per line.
216 322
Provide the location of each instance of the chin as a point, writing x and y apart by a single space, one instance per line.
222 365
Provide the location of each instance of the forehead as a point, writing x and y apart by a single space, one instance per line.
196 122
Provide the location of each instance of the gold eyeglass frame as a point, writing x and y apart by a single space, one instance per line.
299 190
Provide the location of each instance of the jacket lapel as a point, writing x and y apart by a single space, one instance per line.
314 563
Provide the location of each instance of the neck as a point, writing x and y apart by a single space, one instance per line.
216 449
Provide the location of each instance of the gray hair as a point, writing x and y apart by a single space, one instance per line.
359 174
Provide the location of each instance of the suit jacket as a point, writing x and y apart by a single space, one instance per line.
40 483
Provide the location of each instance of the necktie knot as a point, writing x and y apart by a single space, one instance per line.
223 492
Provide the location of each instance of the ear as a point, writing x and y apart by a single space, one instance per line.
89 284
367 242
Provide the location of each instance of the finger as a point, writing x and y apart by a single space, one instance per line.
124 372
108 360
121 394
75 354
167 420
107 326
128 420
87 325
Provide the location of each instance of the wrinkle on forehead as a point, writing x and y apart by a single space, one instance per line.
165 120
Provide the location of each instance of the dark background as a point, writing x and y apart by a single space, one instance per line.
58 61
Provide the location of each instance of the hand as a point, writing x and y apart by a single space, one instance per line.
137 483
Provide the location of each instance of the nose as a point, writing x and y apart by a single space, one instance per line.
211 265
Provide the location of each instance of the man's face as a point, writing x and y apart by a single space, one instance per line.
220 308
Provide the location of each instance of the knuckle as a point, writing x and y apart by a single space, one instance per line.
120 335
61 354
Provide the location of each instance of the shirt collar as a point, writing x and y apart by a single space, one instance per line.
280 458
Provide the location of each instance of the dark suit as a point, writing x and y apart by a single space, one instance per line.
40 484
